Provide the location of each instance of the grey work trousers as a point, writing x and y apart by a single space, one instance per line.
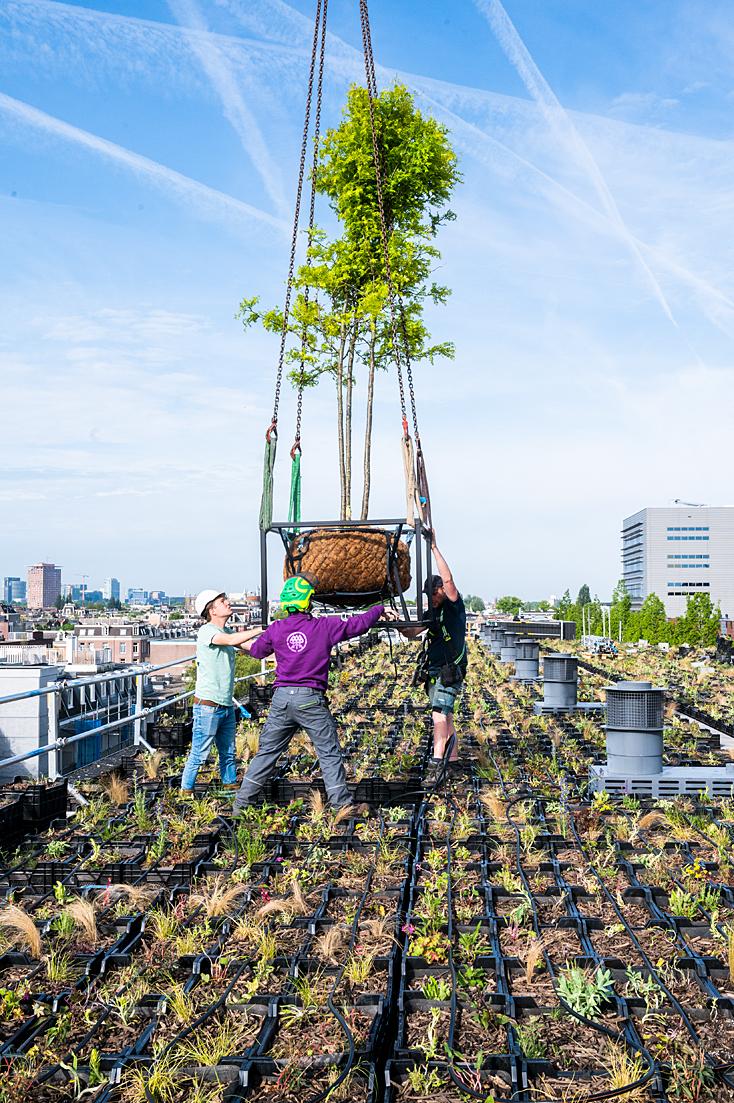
295 707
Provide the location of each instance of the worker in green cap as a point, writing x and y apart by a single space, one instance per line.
302 647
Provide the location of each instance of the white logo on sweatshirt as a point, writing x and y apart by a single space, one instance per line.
297 641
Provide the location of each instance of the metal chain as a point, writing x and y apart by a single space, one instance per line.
393 296
296 218
312 207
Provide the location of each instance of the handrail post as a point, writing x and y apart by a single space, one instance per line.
54 755
138 725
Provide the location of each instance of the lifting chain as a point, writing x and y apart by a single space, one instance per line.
316 137
273 428
395 303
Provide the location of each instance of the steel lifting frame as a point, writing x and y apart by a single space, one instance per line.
399 527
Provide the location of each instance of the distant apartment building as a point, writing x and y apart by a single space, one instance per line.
111 589
14 590
122 642
44 585
677 551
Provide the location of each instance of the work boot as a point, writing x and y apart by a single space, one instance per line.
186 792
434 771
230 785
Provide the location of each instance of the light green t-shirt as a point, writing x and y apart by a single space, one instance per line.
214 666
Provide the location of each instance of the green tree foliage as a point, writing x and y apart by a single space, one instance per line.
584 596
340 315
474 604
651 622
700 624
509 605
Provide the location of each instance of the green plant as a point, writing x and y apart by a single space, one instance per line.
644 987
436 988
473 943
423 1081
584 993
530 1038
471 977
682 903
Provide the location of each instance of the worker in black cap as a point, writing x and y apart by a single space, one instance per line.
445 657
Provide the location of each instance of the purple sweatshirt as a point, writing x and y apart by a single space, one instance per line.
302 644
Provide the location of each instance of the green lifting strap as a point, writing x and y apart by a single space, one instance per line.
294 504
266 502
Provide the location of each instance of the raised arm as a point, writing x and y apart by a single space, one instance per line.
445 571
235 639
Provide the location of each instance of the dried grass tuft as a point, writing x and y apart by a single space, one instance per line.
375 936
532 957
140 896
344 813
217 896
331 941
316 803
152 764
116 788
655 818
16 919
82 912
493 802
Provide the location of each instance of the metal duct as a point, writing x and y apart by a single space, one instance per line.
527 652
508 651
635 722
560 681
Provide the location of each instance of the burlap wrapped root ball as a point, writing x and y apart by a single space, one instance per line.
348 562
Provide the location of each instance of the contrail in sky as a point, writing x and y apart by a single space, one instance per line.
559 120
183 187
238 114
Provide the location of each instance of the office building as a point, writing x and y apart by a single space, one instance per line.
44 585
138 597
14 589
677 551
111 589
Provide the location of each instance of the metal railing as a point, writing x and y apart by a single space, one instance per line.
56 742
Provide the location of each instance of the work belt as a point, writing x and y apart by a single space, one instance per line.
212 704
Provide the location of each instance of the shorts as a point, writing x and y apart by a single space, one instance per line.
443 698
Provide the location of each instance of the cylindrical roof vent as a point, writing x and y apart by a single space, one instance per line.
560 681
507 647
635 721
526 658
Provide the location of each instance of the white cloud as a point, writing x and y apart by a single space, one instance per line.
203 199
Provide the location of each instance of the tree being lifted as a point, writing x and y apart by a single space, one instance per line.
341 313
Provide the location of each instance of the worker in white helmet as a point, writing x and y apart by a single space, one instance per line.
214 706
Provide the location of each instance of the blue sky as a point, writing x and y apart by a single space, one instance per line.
147 178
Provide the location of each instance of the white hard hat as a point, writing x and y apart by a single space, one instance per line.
202 600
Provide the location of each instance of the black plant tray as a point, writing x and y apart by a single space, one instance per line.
41 803
499 1078
363 1084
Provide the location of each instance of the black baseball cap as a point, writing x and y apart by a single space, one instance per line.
435 582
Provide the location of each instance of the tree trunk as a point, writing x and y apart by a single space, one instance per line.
340 425
348 423
366 470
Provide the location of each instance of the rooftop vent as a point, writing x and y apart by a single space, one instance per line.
508 652
560 681
635 720
527 653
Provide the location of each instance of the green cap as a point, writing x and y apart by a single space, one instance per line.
295 597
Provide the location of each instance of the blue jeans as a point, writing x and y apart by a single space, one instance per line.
297 707
211 725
